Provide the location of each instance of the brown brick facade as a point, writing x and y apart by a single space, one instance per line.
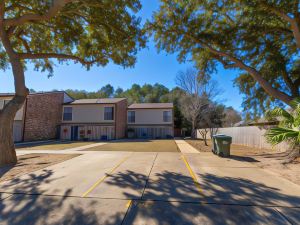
43 116
121 119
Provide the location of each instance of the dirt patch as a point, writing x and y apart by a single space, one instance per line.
32 162
199 145
264 158
138 146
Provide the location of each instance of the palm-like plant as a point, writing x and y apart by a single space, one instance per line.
289 125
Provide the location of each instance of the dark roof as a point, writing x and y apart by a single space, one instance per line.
151 106
6 94
36 93
97 101
262 121
33 93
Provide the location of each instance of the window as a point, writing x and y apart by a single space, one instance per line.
67 114
167 117
131 117
108 113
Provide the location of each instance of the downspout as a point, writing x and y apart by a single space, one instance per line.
24 119
115 118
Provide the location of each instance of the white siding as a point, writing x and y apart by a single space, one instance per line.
150 116
18 131
88 113
19 114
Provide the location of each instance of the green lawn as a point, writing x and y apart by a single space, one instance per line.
59 145
138 146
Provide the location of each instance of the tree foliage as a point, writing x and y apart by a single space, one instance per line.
259 38
289 125
88 32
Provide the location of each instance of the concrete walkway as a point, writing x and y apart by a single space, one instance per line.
149 188
86 146
64 151
185 147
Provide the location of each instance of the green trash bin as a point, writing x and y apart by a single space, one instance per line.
222 144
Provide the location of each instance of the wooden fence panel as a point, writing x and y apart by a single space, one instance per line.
252 136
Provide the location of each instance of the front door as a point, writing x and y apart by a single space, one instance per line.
74 133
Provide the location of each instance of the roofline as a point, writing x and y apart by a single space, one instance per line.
153 108
96 103
107 103
6 94
263 123
37 93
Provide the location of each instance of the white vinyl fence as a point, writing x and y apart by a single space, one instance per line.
251 136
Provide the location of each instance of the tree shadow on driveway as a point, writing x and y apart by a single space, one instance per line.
28 205
169 198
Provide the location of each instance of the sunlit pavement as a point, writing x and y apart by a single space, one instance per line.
150 188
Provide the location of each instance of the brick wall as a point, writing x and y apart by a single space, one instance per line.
43 115
121 119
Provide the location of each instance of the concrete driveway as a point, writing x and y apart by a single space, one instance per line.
150 188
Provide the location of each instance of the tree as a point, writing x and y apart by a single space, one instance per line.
119 93
89 32
198 92
191 107
259 38
106 92
231 117
210 120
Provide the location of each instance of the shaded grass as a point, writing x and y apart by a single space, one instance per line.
138 146
32 162
239 150
59 145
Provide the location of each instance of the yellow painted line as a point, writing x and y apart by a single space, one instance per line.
103 178
193 175
128 204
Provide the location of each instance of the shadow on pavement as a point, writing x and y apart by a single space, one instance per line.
153 207
20 209
224 200
243 158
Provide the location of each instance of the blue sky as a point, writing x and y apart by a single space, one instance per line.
151 67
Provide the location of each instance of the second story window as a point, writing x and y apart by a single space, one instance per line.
108 113
67 114
131 117
167 116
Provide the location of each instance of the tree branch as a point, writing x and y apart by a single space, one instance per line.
253 72
297 82
25 44
57 5
55 55
2 10
293 21
287 79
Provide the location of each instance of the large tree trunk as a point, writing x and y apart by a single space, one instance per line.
8 153
7 114
193 134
